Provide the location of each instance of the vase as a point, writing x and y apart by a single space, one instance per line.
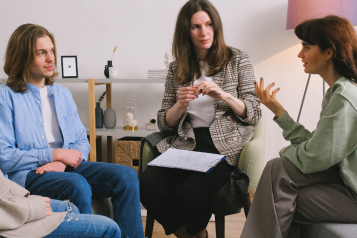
113 72
110 118
106 70
98 116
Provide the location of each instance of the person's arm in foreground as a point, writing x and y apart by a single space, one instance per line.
331 142
16 209
297 134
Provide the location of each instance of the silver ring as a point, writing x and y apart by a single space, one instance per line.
183 96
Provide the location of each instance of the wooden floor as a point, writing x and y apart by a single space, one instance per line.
234 226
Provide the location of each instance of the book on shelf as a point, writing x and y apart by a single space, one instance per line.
157 73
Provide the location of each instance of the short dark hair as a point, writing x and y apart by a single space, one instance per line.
20 56
336 33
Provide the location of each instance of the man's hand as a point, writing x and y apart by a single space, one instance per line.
48 206
53 166
69 157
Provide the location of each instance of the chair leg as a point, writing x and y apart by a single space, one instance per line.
220 226
248 202
149 225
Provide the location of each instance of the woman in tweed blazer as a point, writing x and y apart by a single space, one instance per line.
210 106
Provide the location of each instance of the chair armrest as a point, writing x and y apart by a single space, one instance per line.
251 161
252 158
148 154
148 150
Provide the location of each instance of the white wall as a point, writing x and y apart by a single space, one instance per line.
144 29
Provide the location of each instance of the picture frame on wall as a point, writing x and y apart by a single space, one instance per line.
69 66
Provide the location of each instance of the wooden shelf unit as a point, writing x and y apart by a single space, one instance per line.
118 132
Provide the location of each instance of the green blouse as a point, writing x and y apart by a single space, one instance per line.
334 142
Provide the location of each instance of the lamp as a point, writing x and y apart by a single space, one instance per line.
300 10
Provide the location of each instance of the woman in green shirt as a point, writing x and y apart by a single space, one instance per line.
315 180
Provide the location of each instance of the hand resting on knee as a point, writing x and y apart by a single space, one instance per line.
69 157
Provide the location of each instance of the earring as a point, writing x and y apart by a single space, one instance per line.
327 58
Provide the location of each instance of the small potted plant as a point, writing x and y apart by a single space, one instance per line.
109 70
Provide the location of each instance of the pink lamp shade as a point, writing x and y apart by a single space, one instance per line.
300 10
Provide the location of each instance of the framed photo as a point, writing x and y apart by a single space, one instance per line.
69 66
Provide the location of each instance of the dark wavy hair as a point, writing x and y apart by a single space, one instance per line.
336 33
20 56
183 49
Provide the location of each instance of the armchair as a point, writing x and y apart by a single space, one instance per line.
251 162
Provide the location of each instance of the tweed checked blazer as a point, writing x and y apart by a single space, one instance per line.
228 130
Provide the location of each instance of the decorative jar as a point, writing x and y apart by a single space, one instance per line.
130 117
150 126
106 68
113 72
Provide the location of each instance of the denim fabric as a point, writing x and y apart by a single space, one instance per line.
81 225
23 142
98 180
63 206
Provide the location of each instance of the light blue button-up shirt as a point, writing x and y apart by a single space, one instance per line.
23 142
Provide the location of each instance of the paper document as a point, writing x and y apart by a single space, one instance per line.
188 160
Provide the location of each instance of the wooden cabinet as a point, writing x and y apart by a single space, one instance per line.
117 132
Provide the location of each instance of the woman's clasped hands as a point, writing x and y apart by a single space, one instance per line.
187 94
269 100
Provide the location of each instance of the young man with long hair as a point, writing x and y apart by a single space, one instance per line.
43 143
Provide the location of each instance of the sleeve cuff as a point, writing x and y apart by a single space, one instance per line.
249 107
37 208
165 127
285 121
252 116
45 156
162 122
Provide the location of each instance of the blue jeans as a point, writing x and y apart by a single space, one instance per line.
95 179
82 225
